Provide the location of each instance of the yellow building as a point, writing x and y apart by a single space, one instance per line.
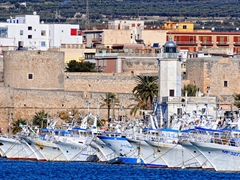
179 26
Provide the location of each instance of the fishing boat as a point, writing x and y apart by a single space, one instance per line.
126 153
222 151
173 153
16 148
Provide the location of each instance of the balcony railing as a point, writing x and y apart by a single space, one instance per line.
168 55
115 55
236 43
206 43
226 43
97 40
186 42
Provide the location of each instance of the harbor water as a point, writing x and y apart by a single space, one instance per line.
24 170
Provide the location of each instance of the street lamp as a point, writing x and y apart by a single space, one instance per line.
88 106
112 103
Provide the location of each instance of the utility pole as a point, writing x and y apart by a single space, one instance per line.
87 24
159 94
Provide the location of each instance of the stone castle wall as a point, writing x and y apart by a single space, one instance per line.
195 72
46 68
99 82
141 65
55 90
212 72
23 103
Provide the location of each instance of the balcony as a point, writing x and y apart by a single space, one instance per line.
116 55
206 43
97 40
186 43
236 43
226 43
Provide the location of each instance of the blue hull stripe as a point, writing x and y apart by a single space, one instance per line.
156 165
112 138
126 160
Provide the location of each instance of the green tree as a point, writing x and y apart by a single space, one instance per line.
110 100
236 100
190 89
17 125
40 119
138 106
83 66
146 89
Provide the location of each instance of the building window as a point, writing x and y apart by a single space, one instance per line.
89 55
105 63
43 33
43 44
21 32
100 62
29 28
29 36
179 112
184 27
171 92
3 32
225 84
30 76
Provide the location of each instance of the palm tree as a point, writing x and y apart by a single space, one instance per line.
17 125
236 100
146 89
109 101
140 105
40 119
190 89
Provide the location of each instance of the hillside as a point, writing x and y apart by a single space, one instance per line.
74 11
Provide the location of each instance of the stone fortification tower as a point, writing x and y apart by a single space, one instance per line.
34 70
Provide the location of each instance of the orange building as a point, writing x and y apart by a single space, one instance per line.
187 38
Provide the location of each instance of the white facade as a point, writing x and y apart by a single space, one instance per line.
27 32
170 75
136 27
64 34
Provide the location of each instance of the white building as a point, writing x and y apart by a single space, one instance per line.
136 28
27 32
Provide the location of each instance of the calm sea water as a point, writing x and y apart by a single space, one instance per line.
76 170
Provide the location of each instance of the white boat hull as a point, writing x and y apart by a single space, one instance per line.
222 157
15 149
77 152
124 150
150 157
205 164
107 154
49 150
175 155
